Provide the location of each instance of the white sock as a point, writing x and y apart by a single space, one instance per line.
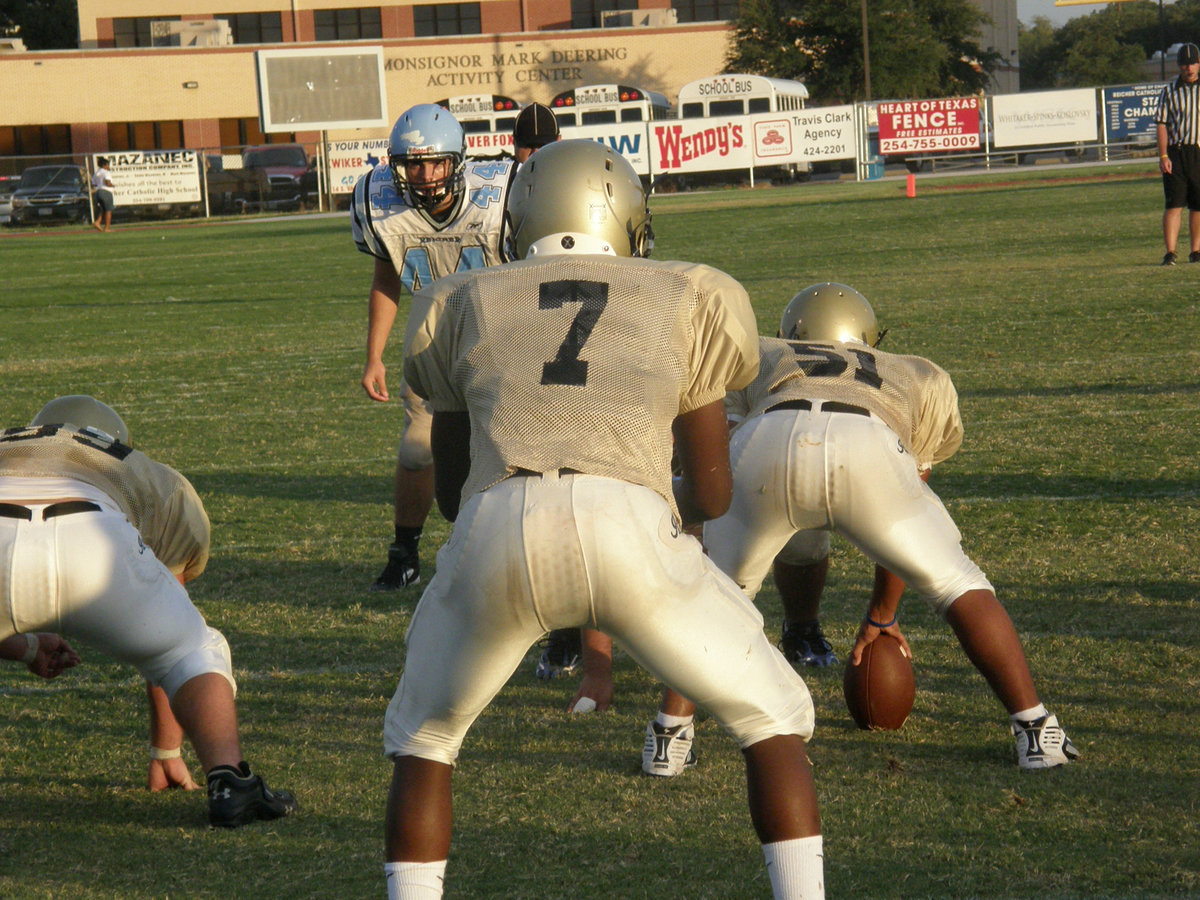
797 868
671 721
414 880
1028 715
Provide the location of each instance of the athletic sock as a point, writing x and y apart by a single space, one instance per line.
414 880
797 868
407 538
671 721
1031 714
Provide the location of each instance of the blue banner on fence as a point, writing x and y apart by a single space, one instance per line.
1129 111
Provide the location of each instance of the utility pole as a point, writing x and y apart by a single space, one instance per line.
867 52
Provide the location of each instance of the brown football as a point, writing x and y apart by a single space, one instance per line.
880 690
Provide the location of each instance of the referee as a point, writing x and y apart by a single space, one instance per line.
1178 121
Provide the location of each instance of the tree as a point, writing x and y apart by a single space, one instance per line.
42 24
918 48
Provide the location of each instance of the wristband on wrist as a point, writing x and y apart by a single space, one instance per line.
32 644
881 625
1163 156
160 753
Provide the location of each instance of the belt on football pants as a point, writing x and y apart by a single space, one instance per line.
527 473
824 406
65 508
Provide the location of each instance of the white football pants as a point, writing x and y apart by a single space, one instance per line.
536 553
798 470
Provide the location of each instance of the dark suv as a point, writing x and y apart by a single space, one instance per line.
51 192
290 175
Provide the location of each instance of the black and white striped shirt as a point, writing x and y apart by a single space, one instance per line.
1179 111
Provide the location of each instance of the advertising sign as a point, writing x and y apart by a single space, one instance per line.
350 160
153 176
919 126
1129 111
627 138
824 132
1045 117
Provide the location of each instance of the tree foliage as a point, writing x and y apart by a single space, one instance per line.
917 48
1109 46
41 24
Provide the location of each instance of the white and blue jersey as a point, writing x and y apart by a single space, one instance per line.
385 225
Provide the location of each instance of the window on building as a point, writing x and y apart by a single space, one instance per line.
447 18
134 31
707 10
35 140
166 135
347 24
254 28
586 13
245 133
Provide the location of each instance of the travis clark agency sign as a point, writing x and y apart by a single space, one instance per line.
917 126
490 70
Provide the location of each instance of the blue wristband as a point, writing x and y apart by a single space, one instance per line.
881 625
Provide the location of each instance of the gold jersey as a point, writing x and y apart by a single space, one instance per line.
159 502
579 362
912 395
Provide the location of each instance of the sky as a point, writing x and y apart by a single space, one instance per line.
1027 10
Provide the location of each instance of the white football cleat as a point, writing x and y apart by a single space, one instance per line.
668 751
1042 744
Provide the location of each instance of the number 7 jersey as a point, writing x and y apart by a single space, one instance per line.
911 395
421 248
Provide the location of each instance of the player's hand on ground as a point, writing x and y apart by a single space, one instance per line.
868 633
170 773
595 688
54 656
374 381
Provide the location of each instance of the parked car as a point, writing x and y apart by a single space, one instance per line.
51 192
291 175
8 184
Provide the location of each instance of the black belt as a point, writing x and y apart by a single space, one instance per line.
526 473
66 508
826 406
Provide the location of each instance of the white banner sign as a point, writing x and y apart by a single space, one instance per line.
153 176
826 132
350 160
1044 117
627 138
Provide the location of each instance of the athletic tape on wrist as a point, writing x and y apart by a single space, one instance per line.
160 753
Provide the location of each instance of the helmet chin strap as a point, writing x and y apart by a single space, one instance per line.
567 242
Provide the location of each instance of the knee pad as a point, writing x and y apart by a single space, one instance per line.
211 656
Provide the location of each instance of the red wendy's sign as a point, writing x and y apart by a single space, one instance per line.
917 126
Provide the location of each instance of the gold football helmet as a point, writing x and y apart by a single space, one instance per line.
830 312
83 411
578 197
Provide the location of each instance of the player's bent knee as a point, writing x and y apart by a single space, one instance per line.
212 656
943 597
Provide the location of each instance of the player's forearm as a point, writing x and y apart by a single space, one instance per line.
165 731
381 316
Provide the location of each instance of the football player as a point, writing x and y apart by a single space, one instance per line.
97 540
557 382
837 435
422 214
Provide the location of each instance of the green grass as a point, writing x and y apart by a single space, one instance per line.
234 353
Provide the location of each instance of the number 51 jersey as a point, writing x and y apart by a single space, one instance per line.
421 248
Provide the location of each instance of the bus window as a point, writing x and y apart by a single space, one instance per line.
726 108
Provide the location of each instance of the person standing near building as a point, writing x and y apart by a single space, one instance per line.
1178 122
102 190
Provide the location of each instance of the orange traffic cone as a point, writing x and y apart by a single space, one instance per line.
910 186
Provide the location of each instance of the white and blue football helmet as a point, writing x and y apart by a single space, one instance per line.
427 131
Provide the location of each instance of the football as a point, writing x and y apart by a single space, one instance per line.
880 690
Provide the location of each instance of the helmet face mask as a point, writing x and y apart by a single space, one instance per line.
84 412
578 197
830 312
424 133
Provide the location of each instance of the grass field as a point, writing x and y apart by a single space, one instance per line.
233 351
